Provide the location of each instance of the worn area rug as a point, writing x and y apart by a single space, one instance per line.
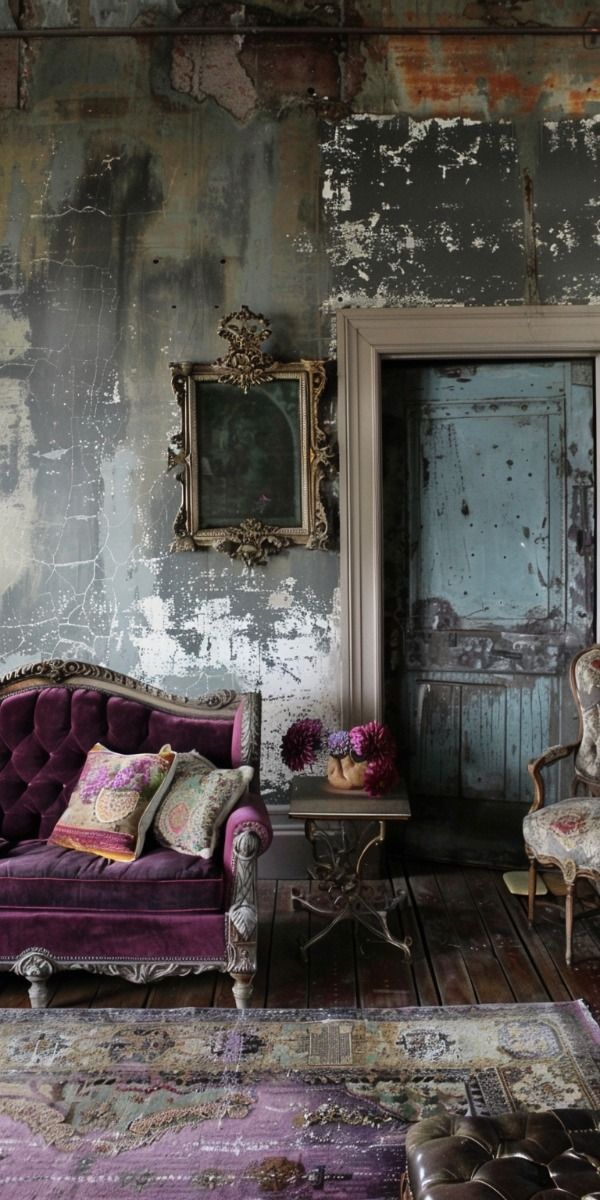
185 1103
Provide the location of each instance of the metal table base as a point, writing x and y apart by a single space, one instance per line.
346 894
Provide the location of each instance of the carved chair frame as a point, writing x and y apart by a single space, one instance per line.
581 782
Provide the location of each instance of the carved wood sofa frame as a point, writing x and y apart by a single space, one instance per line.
244 836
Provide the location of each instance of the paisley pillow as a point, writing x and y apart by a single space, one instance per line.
198 800
114 801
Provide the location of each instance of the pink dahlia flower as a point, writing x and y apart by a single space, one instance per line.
380 776
372 740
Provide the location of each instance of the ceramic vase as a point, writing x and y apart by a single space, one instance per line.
345 773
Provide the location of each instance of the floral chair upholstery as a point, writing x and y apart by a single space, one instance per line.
567 834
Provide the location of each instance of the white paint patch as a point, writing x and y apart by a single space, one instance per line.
565 238
280 600
338 193
570 133
53 455
18 510
304 244
15 334
160 653
282 645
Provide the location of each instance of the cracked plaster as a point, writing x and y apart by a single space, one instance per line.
133 218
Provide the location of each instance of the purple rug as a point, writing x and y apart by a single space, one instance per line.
189 1103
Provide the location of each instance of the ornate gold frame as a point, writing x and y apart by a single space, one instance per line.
251 541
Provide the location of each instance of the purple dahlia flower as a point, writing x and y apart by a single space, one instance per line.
300 743
338 743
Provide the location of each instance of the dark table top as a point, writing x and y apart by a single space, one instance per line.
313 798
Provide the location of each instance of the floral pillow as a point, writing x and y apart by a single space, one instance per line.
114 801
197 802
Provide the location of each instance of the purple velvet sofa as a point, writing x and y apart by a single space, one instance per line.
166 913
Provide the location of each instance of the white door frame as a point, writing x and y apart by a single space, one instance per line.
365 336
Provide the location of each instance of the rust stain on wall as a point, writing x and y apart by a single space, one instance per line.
298 71
496 77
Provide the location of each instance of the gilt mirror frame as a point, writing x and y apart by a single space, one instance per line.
251 460
365 337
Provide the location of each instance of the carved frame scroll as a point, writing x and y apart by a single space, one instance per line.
251 458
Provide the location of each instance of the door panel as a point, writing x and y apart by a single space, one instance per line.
488 538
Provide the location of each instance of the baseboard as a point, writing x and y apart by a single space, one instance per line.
289 855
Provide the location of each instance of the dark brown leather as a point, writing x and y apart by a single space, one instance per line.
518 1156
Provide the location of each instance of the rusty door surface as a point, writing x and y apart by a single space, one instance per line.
488 535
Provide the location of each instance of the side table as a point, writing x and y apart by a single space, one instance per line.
339 872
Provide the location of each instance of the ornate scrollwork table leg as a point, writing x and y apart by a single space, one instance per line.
339 875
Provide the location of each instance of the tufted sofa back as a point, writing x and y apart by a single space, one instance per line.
51 714
585 684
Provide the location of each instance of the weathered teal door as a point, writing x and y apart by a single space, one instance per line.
488 520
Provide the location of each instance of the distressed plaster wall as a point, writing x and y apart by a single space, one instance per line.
149 186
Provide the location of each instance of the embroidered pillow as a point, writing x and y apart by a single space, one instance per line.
114 801
197 802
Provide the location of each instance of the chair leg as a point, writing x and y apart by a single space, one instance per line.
531 886
569 923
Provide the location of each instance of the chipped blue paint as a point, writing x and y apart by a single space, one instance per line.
488 595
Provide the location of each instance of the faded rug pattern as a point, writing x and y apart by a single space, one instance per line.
191 1103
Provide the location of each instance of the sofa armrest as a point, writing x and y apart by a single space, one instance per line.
250 813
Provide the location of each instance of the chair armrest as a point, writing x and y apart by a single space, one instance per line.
250 813
536 765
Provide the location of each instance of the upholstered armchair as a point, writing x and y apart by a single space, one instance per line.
567 834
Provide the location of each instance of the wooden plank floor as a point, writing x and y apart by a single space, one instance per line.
471 944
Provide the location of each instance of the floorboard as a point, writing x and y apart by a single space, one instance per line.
485 970
449 968
385 978
471 943
520 968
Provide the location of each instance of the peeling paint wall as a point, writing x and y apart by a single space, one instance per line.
148 186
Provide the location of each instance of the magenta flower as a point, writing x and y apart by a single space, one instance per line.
300 743
380 776
372 740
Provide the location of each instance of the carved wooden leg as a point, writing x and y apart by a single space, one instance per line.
38 993
532 881
568 915
569 923
242 918
36 966
242 989
569 874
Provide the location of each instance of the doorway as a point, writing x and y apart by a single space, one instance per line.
488 580
456 339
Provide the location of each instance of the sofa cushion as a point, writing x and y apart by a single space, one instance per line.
568 830
46 732
113 802
196 802
36 874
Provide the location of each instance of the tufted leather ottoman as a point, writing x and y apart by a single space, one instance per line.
518 1156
